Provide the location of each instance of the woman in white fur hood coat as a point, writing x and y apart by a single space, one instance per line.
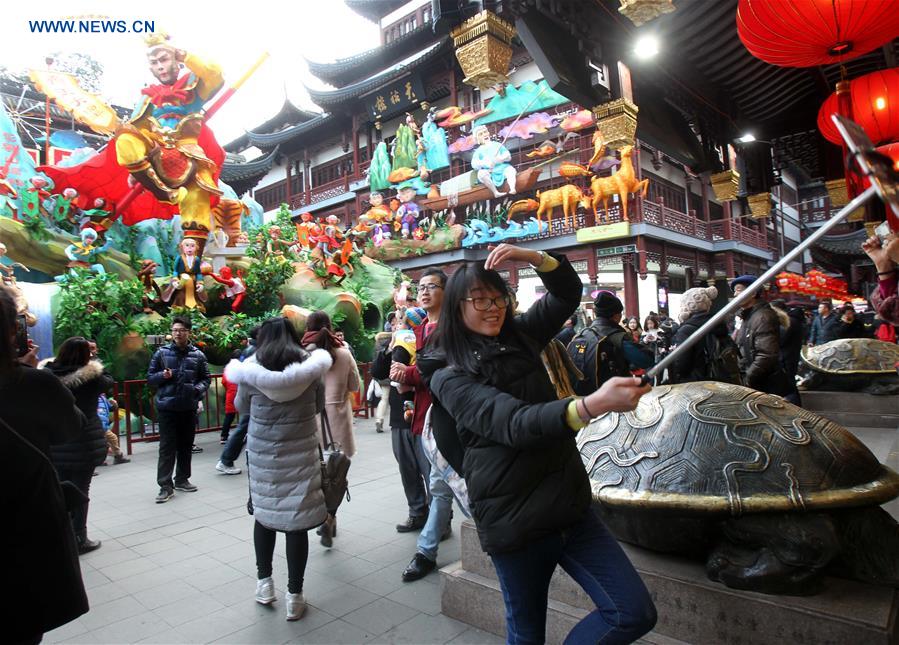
281 388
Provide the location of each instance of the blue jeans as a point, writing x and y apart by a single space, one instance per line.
439 515
235 441
590 554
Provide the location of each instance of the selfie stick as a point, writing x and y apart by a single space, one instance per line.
748 292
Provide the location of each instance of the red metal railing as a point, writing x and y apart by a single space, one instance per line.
138 408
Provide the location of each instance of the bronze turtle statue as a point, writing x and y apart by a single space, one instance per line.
852 365
770 495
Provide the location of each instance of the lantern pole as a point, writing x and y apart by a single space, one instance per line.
747 293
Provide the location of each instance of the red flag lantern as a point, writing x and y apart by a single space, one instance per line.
807 33
875 107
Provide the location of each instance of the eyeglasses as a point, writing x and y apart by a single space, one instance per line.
429 287
180 331
483 304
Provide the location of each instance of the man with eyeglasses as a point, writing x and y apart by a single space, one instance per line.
180 374
434 520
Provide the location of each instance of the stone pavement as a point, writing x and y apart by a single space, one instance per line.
184 571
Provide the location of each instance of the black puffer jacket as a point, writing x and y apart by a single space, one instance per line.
86 383
691 365
190 377
791 341
39 407
521 464
759 342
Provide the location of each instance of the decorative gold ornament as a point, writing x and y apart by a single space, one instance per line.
484 49
725 185
642 11
759 205
617 120
425 106
839 197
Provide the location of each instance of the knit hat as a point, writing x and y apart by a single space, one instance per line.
697 300
606 305
414 316
743 279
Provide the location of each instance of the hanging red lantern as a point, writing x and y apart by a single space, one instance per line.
807 33
875 107
891 150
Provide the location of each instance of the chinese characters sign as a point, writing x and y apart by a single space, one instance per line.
400 96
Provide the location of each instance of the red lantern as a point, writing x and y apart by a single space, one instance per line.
807 33
875 107
891 150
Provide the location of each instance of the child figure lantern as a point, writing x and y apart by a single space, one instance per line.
491 161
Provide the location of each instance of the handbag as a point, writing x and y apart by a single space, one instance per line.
335 465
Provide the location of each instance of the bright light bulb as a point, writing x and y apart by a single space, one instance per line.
646 47
746 138
880 103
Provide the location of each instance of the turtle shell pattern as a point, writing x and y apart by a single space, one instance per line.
715 448
853 356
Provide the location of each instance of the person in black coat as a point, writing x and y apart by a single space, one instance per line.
38 545
75 460
850 325
695 311
529 492
180 374
791 338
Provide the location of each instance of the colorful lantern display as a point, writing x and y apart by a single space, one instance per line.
814 283
807 33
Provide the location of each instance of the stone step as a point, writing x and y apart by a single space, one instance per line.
478 601
691 607
851 402
861 420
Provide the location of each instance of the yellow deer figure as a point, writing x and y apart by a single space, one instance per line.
568 197
621 183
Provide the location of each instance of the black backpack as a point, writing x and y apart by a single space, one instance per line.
721 356
598 358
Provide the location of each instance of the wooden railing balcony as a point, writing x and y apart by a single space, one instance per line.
321 193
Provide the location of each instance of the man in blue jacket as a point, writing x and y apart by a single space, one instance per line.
180 375
826 325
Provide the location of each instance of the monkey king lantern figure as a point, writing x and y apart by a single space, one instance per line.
161 145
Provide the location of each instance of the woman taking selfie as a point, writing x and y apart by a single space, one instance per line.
529 492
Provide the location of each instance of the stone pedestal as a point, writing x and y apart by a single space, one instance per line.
854 409
691 607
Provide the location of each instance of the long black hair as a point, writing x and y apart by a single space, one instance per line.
9 354
278 345
452 336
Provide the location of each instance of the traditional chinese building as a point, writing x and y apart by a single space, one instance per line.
691 110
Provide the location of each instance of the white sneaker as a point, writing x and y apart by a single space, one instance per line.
265 591
296 606
227 470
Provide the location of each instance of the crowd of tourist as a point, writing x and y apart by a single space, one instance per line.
474 418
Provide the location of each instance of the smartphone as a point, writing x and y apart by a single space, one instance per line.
21 335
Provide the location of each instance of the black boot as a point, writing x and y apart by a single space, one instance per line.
86 545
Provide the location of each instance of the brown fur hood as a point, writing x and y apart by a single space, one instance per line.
782 318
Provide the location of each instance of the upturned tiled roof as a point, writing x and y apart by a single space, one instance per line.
330 98
347 70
